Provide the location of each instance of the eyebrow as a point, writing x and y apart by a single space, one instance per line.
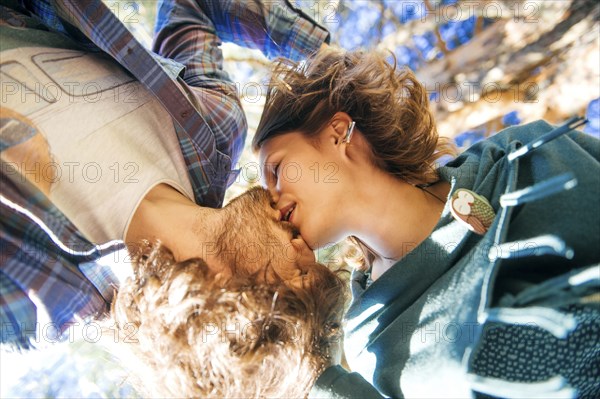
266 165
264 169
267 161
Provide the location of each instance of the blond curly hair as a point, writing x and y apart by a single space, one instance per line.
195 336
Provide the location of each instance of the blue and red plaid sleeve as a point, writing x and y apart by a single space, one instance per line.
191 32
42 289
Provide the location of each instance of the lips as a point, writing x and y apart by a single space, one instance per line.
287 211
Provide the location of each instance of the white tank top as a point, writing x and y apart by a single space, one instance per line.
111 141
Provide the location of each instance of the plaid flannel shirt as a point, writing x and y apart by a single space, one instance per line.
49 272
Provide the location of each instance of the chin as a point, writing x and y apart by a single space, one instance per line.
311 241
316 241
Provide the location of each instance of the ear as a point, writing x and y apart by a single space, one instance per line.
339 126
222 277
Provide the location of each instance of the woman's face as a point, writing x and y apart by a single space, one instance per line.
309 185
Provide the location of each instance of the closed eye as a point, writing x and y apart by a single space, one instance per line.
275 173
271 174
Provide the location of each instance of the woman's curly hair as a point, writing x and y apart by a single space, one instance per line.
389 105
189 335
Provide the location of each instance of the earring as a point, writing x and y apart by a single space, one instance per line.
349 133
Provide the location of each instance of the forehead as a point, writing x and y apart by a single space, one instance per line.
280 145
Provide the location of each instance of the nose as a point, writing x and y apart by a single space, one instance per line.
274 193
273 206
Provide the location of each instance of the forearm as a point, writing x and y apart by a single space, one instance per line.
272 26
185 34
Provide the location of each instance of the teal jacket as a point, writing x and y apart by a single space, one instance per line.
514 312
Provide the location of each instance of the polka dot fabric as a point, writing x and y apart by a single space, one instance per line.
520 353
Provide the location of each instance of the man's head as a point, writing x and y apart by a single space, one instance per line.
246 237
251 239
194 335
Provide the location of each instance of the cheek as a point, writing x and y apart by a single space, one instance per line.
305 176
325 223
265 258
250 258
319 232
284 254
280 250
318 220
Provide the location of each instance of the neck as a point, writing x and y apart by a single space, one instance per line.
182 226
404 217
